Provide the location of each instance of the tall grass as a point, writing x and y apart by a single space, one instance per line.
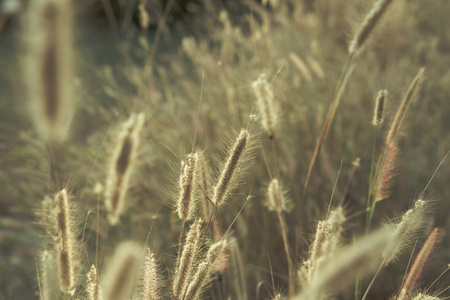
237 185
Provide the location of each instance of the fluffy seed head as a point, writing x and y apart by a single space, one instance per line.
326 241
65 247
48 66
227 175
188 259
367 26
276 199
49 277
202 276
204 182
378 113
410 222
268 110
188 183
151 279
386 173
346 264
121 166
403 109
93 286
420 260
121 271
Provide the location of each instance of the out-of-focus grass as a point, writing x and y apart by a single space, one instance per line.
217 61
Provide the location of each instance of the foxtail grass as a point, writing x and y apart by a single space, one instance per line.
48 66
187 260
267 107
151 284
93 284
380 103
345 265
188 184
121 166
64 242
410 222
228 173
119 277
326 242
420 261
49 277
367 26
202 276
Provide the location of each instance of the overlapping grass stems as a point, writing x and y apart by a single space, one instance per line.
133 270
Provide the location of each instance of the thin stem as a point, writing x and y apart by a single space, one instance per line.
373 280
288 255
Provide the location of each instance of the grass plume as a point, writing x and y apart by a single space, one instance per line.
93 285
267 107
229 169
121 166
48 66
369 23
380 103
420 261
122 271
151 286
188 184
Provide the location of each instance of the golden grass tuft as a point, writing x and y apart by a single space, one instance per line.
410 222
229 169
121 166
49 277
420 261
58 218
344 267
122 270
326 241
380 103
369 23
404 106
267 107
151 285
93 285
48 66
202 276
186 203
187 260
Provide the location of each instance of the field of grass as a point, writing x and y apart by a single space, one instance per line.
256 117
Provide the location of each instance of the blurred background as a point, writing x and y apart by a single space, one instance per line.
161 58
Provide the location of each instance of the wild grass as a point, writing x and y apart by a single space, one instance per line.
257 173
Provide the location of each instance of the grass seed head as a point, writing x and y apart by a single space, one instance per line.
122 271
276 198
404 106
48 66
202 276
343 269
188 260
420 261
49 277
369 23
411 221
231 167
121 166
380 103
267 107
65 244
93 286
188 187
151 285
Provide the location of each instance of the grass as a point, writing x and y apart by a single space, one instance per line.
198 95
